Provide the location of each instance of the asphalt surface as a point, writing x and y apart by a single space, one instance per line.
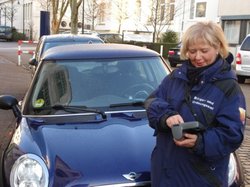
15 80
244 155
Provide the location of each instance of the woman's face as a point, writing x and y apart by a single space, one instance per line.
201 54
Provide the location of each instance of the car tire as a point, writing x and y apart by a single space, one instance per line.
241 79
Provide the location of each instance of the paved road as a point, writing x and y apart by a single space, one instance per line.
15 80
244 155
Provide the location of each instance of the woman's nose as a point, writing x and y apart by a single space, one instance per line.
198 55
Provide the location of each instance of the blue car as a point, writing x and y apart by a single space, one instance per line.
48 41
6 32
82 121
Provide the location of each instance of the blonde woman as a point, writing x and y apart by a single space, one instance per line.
203 89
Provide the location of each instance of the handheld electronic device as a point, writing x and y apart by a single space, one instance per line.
192 127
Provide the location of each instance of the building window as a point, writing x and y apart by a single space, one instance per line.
63 23
248 27
79 25
201 9
192 5
138 9
162 10
171 10
102 9
232 30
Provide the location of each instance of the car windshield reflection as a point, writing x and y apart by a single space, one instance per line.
96 83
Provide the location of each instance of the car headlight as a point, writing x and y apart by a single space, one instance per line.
232 169
29 170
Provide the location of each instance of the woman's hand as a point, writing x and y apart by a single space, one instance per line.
173 120
188 141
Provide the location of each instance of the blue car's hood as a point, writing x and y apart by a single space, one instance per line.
97 153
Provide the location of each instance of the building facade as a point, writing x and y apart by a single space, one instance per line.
141 17
235 20
24 15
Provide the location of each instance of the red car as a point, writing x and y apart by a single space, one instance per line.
174 56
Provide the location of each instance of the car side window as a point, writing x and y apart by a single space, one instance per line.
246 44
52 88
38 49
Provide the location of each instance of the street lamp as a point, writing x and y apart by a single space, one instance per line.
5 17
23 14
82 16
0 15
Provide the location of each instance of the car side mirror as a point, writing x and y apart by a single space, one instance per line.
8 102
33 62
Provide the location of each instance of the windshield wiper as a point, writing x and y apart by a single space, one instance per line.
134 103
76 109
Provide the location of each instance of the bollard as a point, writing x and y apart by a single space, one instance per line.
20 51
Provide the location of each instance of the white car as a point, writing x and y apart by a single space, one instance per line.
243 60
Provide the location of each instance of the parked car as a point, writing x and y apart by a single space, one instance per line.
242 64
174 56
48 41
82 121
111 37
87 31
6 32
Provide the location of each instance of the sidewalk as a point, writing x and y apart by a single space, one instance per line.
14 79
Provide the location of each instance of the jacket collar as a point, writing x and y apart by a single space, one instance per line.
218 71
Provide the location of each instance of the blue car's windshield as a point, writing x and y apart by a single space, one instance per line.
96 83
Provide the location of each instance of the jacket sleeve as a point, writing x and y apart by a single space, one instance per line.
227 134
158 109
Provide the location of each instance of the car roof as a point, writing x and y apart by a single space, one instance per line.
97 51
70 37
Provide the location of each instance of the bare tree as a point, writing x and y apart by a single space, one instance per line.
30 25
122 7
92 11
9 11
74 5
45 4
59 8
161 17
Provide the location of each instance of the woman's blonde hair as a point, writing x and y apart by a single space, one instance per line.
208 31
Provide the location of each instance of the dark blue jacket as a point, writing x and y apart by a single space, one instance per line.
216 100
